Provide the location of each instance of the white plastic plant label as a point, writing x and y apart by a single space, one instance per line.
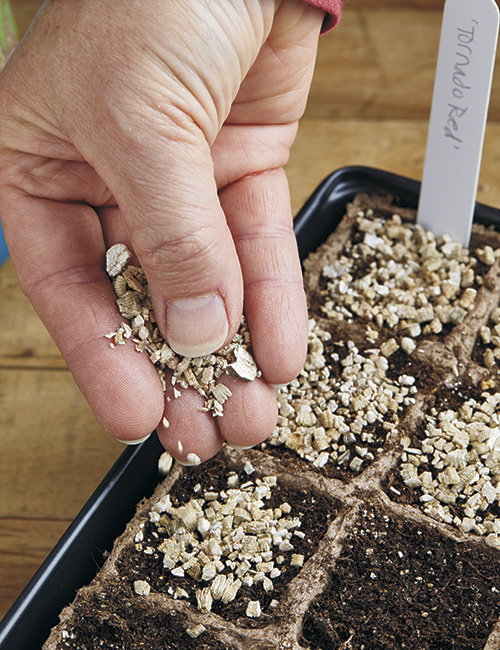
458 117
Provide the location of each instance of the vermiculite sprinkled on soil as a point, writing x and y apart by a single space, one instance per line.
370 519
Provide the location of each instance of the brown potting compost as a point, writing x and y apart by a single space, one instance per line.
370 519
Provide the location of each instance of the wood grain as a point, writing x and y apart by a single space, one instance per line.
24 545
47 425
410 4
380 63
398 146
32 348
369 105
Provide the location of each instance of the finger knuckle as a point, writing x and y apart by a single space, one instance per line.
181 256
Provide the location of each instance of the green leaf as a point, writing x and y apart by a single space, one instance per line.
8 32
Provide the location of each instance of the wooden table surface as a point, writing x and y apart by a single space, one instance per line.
369 105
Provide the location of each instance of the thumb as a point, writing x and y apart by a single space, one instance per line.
168 200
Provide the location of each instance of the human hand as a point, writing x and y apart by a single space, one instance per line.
164 125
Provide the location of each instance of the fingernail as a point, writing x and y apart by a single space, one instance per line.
191 460
197 326
134 442
240 447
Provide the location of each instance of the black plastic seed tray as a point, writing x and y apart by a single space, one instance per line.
78 555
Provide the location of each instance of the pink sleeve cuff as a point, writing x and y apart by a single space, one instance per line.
333 9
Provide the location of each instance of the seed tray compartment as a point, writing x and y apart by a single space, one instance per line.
78 555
